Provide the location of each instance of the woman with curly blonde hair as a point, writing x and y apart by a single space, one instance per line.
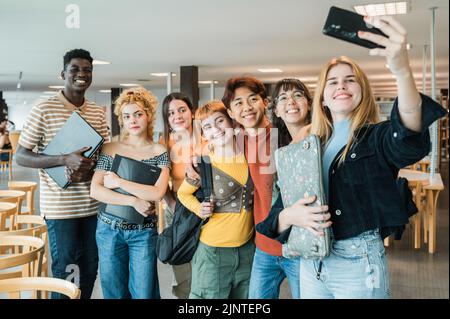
127 255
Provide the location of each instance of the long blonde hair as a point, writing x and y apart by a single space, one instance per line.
367 111
142 97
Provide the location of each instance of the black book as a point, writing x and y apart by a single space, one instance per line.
74 135
134 171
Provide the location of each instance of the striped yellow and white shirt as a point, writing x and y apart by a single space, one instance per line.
43 122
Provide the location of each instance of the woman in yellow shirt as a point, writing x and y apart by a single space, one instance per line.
222 263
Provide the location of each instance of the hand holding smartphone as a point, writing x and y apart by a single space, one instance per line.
343 24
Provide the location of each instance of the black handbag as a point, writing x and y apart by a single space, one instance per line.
177 244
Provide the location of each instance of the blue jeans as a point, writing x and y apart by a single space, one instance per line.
74 252
355 269
127 261
268 273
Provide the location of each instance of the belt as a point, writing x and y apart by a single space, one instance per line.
121 224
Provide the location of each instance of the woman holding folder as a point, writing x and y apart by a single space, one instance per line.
127 256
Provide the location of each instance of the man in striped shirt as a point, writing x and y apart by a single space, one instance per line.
70 213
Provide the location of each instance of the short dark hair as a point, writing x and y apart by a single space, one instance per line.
253 84
76 54
165 111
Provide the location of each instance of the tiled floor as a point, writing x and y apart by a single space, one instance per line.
413 273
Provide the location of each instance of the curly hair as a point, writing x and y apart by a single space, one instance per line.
142 97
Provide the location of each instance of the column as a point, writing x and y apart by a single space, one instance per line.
115 129
189 83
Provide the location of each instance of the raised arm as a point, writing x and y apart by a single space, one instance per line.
409 100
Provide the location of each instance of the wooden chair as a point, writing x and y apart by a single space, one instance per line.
18 272
7 212
420 201
419 198
7 164
416 188
29 225
11 196
14 139
38 226
420 220
29 188
15 286
28 256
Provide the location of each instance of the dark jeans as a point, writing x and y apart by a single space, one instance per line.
74 252
4 157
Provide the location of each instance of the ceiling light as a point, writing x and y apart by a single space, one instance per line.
207 82
104 91
162 74
270 70
307 78
387 66
50 92
100 62
56 86
379 9
128 84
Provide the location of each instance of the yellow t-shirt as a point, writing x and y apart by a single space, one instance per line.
222 229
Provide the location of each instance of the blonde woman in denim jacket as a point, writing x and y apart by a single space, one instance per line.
360 163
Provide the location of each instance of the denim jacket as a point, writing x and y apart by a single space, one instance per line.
363 193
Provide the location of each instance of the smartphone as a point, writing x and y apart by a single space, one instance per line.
344 24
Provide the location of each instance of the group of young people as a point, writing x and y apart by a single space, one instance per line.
240 249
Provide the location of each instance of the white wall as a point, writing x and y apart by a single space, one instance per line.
19 105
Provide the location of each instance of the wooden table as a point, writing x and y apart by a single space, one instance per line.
432 189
